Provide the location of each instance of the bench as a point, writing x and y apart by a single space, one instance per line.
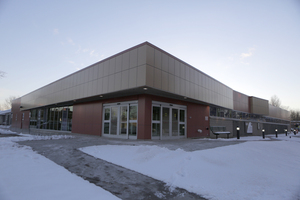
219 130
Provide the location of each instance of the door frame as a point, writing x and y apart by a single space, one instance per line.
171 107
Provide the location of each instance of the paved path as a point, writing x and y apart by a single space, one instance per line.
122 182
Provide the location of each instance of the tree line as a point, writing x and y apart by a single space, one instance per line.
295 114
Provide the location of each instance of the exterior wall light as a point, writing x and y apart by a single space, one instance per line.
238 132
263 133
145 88
101 96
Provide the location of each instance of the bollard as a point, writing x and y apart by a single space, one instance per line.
276 132
263 133
285 132
238 132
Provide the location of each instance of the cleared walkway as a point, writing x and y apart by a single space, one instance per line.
122 182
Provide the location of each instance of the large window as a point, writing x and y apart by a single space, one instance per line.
120 120
57 118
227 113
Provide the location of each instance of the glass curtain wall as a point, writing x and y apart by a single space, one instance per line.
227 113
56 118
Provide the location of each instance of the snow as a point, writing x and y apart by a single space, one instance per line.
26 175
256 169
249 138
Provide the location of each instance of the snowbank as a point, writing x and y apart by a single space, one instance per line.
250 170
27 175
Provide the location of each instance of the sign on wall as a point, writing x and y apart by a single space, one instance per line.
249 127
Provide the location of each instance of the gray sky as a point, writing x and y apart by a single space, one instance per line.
251 46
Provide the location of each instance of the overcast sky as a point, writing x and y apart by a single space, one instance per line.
251 46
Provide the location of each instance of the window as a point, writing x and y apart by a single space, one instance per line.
57 118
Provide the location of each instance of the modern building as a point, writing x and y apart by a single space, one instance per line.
144 93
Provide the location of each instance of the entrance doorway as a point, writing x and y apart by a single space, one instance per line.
168 121
120 120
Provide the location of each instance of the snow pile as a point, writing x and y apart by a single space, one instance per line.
35 137
5 126
27 175
46 137
250 170
6 131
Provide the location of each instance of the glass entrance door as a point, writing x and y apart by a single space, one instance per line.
174 122
120 120
168 121
114 120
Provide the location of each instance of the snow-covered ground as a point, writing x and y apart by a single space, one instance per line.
254 169
27 175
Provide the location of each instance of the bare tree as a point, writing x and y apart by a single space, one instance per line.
8 102
295 115
2 74
275 101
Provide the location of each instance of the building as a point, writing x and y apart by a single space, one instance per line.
144 93
5 117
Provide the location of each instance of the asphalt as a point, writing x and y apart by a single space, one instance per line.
120 181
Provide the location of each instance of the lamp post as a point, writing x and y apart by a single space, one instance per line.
285 130
263 133
238 132
276 132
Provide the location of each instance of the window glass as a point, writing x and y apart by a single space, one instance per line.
213 111
181 129
156 114
107 114
174 122
123 124
133 112
70 115
114 120
182 115
132 129
123 128
123 113
106 128
155 129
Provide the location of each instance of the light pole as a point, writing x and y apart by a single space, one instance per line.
238 132
276 132
285 130
263 133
